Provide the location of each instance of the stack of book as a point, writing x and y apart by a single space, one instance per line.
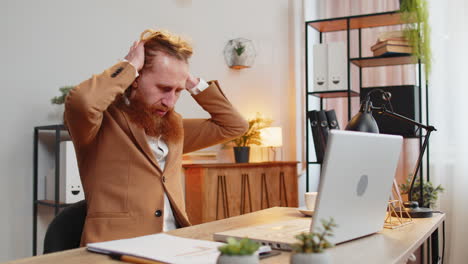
391 44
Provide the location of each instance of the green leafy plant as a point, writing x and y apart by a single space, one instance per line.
430 193
240 48
61 99
252 136
315 242
241 247
417 30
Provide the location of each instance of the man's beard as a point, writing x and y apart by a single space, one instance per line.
146 117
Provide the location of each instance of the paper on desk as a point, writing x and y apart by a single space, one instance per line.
162 247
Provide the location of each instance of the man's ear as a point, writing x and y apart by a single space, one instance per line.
132 89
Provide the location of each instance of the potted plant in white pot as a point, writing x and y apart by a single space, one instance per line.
251 137
242 251
311 246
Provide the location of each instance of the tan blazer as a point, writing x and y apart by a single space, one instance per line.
122 180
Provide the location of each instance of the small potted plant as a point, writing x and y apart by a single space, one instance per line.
251 137
237 59
59 101
430 193
311 246
242 251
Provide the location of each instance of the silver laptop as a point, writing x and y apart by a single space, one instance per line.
354 189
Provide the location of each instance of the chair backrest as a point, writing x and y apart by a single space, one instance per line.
64 232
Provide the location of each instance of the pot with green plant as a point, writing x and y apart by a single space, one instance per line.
237 58
243 251
430 193
311 247
251 137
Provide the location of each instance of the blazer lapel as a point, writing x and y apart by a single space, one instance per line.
140 137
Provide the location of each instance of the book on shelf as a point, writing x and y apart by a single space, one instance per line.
390 42
389 50
391 35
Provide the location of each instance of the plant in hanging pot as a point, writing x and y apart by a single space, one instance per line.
417 30
251 137
242 251
311 246
238 50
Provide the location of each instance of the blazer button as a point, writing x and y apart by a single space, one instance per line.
158 213
164 179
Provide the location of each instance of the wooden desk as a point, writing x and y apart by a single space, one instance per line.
388 246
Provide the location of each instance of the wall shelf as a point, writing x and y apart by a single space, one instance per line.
357 22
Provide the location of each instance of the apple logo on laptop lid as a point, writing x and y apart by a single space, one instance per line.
362 185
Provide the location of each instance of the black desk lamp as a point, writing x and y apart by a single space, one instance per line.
365 122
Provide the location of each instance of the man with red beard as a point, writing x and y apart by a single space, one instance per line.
129 140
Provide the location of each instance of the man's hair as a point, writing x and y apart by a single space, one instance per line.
166 42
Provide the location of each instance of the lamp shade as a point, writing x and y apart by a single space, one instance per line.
363 121
272 136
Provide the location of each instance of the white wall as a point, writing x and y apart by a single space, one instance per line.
51 43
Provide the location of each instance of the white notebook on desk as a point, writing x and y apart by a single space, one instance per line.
161 247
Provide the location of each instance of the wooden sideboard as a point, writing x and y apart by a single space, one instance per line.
220 190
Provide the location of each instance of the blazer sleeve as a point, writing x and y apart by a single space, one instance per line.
86 103
225 122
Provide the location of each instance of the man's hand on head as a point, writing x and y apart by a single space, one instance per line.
191 82
136 55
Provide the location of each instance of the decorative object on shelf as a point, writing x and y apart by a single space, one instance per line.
396 218
311 246
243 251
330 66
364 122
239 53
251 137
417 30
272 137
64 90
430 193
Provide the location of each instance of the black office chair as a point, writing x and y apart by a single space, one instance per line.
64 232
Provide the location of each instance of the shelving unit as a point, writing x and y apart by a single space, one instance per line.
58 131
357 23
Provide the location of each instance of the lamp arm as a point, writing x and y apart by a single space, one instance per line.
429 129
383 110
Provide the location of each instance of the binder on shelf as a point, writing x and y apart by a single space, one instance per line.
320 58
337 66
332 121
319 128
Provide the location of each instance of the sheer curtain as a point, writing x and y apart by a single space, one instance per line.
448 107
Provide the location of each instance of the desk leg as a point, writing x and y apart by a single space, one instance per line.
435 246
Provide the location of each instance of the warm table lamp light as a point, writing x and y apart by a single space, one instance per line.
365 122
272 137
